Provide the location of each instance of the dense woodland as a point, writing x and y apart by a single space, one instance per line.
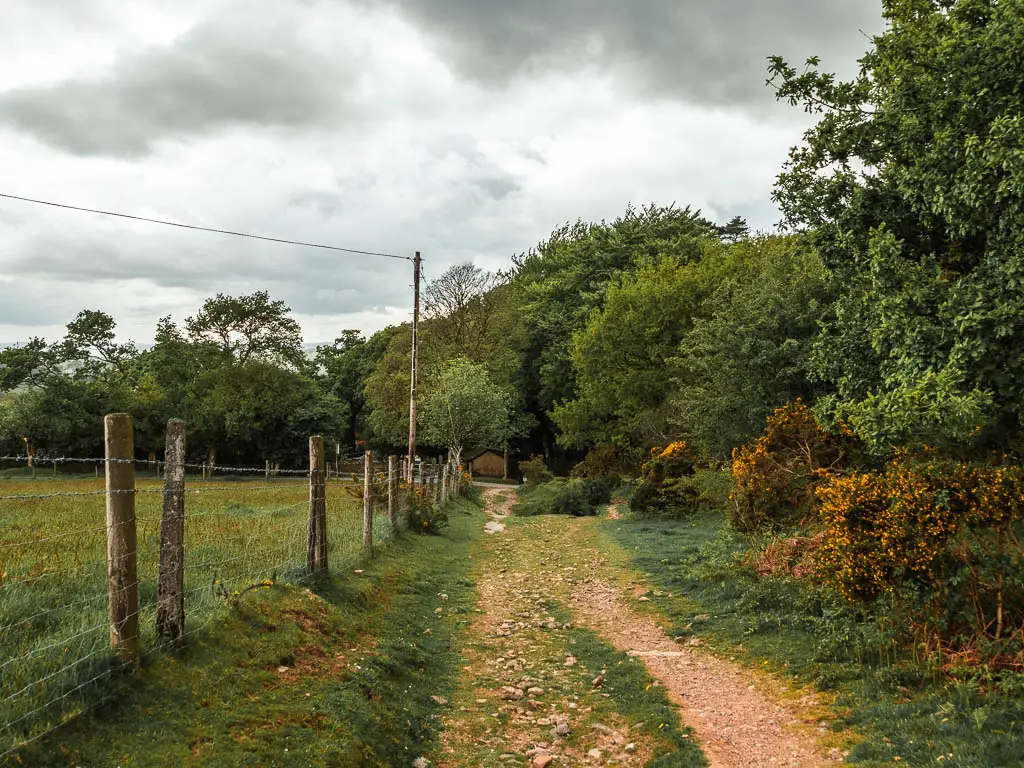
859 376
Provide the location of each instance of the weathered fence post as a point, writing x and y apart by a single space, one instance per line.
316 538
393 492
122 546
368 500
170 595
266 471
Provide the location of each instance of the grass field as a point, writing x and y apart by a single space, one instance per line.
349 670
54 637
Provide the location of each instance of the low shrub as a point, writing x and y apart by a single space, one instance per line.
608 463
423 516
559 497
597 491
666 488
940 540
535 472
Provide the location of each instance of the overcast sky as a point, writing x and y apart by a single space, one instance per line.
466 129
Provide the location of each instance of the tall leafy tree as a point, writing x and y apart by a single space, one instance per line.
343 369
248 328
619 358
913 185
735 230
564 279
749 350
62 390
465 409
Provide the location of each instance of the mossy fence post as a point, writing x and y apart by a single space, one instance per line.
393 492
122 542
316 537
170 596
368 500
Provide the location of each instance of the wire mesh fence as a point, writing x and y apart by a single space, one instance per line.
58 649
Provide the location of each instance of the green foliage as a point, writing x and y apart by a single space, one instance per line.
735 230
749 350
535 472
249 328
608 463
464 409
596 491
564 279
562 497
342 368
665 487
913 186
619 358
62 390
424 516
239 379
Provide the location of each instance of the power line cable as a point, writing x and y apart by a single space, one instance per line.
204 229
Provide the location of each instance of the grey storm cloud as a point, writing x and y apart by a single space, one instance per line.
347 283
229 72
708 52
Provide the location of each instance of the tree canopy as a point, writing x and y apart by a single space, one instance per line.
912 186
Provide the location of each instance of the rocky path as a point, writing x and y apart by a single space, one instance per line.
738 718
525 699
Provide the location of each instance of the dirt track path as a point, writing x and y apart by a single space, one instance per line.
738 722
523 703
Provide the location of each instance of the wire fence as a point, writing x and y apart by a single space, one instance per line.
59 581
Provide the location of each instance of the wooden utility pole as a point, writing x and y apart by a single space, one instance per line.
122 546
170 596
415 353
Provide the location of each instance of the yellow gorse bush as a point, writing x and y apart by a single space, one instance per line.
775 474
907 521
941 537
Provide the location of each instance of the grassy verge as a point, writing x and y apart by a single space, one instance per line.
905 712
340 674
54 638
